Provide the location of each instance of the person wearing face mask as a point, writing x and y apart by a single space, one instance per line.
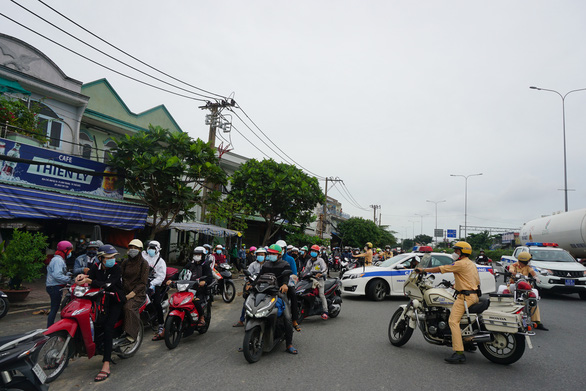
84 261
218 255
467 287
522 267
157 274
318 268
196 269
367 255
253 269
57 277
106 271
135 279
280 269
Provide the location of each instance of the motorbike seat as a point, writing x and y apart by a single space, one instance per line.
479 307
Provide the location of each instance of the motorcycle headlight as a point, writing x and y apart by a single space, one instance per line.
263 313
80 291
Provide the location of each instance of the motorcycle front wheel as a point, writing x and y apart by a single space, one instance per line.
130 350
47 357
3 306
505 349
229 291
252 345
173 331
399 330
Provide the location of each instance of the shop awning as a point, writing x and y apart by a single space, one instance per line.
204 228
23 202
12 86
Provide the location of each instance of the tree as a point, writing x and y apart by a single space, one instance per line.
279 192
423 239
355 232
166 171
227 211
480 241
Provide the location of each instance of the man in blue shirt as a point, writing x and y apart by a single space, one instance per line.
292 281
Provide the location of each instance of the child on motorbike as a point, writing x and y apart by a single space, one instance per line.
318 268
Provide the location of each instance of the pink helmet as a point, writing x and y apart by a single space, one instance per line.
64 245
252 249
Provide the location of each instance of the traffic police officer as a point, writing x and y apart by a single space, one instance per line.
467 286
522 267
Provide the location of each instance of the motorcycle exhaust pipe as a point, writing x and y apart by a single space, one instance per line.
482 338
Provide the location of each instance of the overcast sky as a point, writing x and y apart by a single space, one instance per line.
390 96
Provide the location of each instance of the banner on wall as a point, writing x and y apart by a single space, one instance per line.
55 170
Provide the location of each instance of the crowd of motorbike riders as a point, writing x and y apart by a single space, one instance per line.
144 271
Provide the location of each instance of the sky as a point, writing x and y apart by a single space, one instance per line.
392 97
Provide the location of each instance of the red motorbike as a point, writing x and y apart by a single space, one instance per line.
79 332
183 318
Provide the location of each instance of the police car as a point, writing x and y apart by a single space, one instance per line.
387 279
558 270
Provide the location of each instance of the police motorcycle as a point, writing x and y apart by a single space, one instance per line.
225 285
523 292
495 325
265 316
18 367
4 304
308 296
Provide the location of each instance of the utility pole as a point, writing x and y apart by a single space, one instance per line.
213 119
325 208
375 207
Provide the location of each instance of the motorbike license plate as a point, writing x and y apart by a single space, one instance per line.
40 374
571 282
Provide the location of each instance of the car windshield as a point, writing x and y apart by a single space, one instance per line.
551 256
394 260
436 260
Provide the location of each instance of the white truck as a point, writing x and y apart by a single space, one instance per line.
558 271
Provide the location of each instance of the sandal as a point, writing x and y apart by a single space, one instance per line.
100 376
296 327
201 323
158 337
238 324
291 350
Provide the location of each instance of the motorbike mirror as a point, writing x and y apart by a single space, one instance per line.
431 277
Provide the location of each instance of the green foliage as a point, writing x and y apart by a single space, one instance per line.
23 256
480 241
24 120
164 169
300 239
408 244
279 192
495 255
228 211
355 232
423 239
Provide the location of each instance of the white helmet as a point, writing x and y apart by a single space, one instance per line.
154 244
283 245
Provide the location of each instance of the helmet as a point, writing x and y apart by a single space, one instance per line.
261 250
219 246
368 244
275 249
282 243
107 250
294 250
289 247
524 257
199 250
136 242
304 248
154 244
464 247
252 249
95 244
208 248
64 245
315 247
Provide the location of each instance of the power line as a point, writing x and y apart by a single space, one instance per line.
351 197
107 55
99 64
128 54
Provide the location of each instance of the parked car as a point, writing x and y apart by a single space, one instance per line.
387 279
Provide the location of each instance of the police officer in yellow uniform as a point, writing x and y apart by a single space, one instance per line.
367 254
522 267
467 285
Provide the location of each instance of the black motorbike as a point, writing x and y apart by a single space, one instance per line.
225 286
265 327
308 297
18 367
4 304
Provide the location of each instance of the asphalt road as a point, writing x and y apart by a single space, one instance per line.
351 352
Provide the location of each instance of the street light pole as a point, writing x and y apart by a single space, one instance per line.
466 201
564 134
417 214
435 202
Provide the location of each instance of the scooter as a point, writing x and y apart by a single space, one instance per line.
79 332
183 317
347 264
225 286
308 297
149 315
4 304
17 360
264 328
